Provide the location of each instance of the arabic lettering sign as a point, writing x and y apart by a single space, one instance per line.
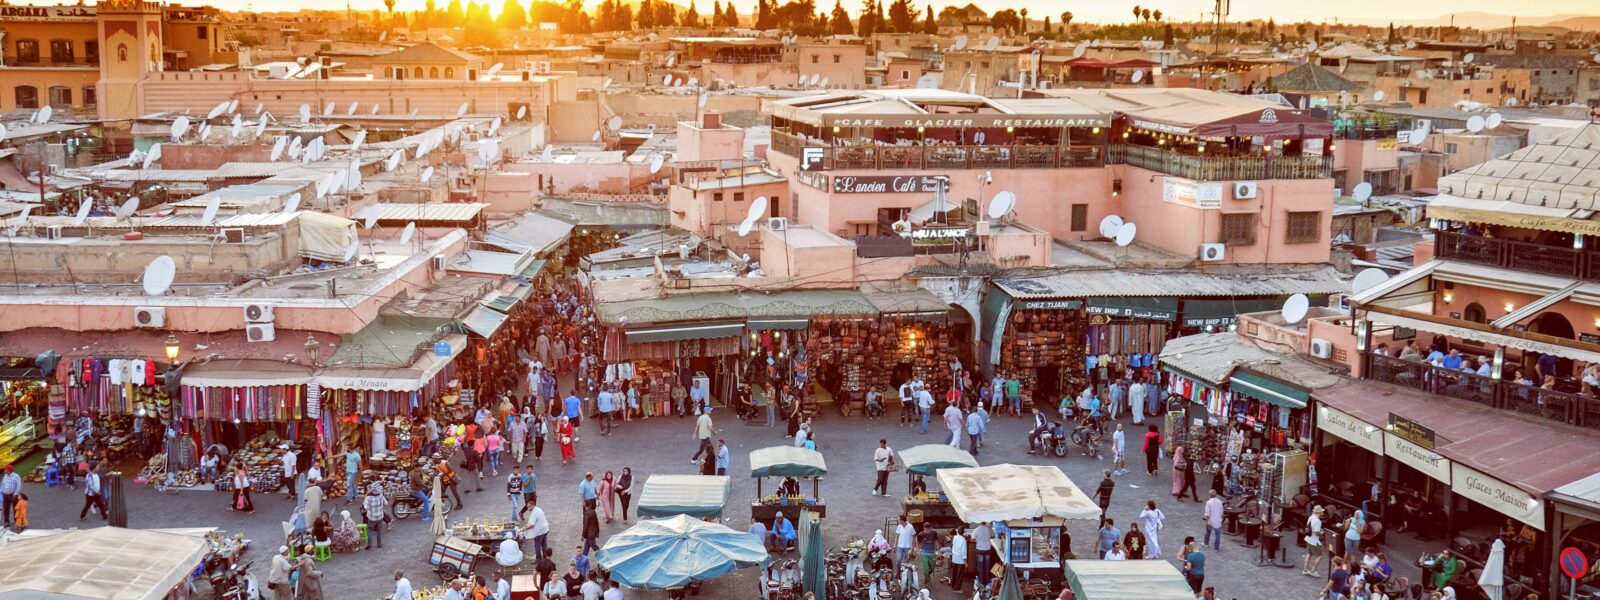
46 12
1188 192
1504 498
1411 431
907 184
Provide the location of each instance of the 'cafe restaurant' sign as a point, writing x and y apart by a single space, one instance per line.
967 121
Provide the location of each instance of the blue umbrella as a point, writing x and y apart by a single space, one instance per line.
677 551
813 559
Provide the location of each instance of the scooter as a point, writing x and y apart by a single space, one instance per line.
241 585
1053 440
406 506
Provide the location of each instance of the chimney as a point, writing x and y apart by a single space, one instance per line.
711 120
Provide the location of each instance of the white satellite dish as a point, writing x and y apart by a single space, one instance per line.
233 131
1362 192
745 226
815 78
292 204
1468 58
83 212
607 84
180 126
758 209
595 137
3 132
1417 135
1492 121
494 69
217 110
614 123
666 80
494 126
1367 279
374 109
371 218
355 105
1126 233
127 209
233 106
405 234
393 161
824 82
427 173
1077 51
961 42
361 138
693 81
44 114
414 111
321 187
327 109
656 162
350 253
461 111
1511 101
305 112
522 111
352 178
1377 96
261 128
994 42
278 146
1002 204
1110 225
702 101
210 214
1138 75
548 154
1294 309
158 275
1475 123
260 106
927 82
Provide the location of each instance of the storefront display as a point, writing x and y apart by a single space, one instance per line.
1039 348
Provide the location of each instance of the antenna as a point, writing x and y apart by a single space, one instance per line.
655 163
427 173
1126 233
153 155
327 109
1138 75
355 105
180 126
1367 279
278 146
1294 309
461 111
159 274
83 212
494 69
614 123
371 218
1475 123
361 137
217 110
522 111
1493 121
1362 192
1002 204
305 112
1377 96
405 234
548 155
758 208
292 204
210 214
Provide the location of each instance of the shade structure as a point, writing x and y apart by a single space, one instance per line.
104 563
116 501
927 459
1126 580
1493 578
1010 587
787 461
677 551
439 524
1016 494
813 556
701 496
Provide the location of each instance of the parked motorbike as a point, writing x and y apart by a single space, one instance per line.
406 506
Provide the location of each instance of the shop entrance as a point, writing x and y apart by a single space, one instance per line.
902 373
1047 386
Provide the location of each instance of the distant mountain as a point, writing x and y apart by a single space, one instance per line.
1577 23
1486 20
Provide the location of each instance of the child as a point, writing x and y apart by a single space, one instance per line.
21 517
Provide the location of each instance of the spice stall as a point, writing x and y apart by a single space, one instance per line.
1031 507
699 496
786 461
921 462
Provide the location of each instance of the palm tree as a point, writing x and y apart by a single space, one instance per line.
389 4
1066 19
1157 16
1136 12
1147 15
1024 13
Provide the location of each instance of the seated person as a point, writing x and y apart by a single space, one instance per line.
918 486
874 403
783 533
510 553
789 487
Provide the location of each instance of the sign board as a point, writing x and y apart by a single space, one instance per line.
1573 563
1425 461
441 348
939 233
53 13
1188 192
1589 338
1350 429
811 157
879 184
1411 431
1502 497
996 120
1050 305
812 179
1391 144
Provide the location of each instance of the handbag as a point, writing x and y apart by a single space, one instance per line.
565 440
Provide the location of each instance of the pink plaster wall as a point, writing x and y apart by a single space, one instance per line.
752 75
696 143
615 178
845 66
1181 229
175 91
702 214
510 191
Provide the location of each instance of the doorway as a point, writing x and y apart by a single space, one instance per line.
1048 387
1555 325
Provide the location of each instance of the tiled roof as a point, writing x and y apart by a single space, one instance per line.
428 52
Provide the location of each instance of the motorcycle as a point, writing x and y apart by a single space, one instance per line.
1053 440
1086 438
406 506
238 584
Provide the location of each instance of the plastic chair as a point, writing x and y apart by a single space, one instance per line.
52 477
322 553
363 529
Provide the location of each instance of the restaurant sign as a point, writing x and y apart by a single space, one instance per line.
1425 461
1502 497
940 233
1160 127
1350 429
967 121
875 184
1188 192
1050 305
10 13
1411 431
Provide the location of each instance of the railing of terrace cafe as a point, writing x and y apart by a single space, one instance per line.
1561 407
1543 259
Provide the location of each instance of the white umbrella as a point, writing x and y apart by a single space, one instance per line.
439 526
1493 579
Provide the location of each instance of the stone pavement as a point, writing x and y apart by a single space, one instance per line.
663 445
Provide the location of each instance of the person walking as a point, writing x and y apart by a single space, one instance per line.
537 528
605 402
722 455
1154 520
1194 566
1338 583
1136 397
1213 520
241 490
1183 474
287 458
572 408
591 530
11 492
566 436
953 422
1152 449
1109 536
514 482
703 430
606 492
447 481
924 406
538 429
624 491
958 561
278 577
373 506
93 494
518 432
588 490
1104 493
1314 546
882 462
1133 542
905 536
352 469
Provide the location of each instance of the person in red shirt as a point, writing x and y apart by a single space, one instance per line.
1152 449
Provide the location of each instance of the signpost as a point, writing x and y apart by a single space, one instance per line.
1574 565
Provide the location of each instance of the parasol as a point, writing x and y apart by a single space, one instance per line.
677 551
439 526
1493 579
1010 588
813 557
116 503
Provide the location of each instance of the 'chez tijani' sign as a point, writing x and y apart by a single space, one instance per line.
907 184
1502 497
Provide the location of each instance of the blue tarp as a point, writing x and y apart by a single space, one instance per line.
677 551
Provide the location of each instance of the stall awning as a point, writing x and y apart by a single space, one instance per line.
1138 307
787 461
245 373
1498 339
1511 214
1200 313
484 321
1271 390
928 459
410 379
672 333
701 496
502 302
1126 580
769 324
533 269
103 563
1017 494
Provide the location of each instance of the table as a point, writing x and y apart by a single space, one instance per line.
939 515
1230 519
1252 530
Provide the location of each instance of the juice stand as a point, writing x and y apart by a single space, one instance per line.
930 508
787 461
1031 507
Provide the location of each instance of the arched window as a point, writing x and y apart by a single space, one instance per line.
417 74
60 96
27 96
27 51
1474 313
122 53
61 52
449 73
433 72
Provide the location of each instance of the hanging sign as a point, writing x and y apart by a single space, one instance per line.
1502 497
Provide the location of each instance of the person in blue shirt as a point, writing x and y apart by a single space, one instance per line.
588 489
722 457
1452 360
783 533
1195 563
574 409
352 466
530 491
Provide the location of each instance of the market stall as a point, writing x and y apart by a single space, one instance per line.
920 462
1031 507
786 461
104 563
1126 580
699 496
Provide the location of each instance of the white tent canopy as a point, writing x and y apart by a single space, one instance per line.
1126 580
1016 494
104 563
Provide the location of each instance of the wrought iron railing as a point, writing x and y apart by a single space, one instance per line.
1582 410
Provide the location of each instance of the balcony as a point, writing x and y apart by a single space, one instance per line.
1545 403
881 158
1222 168
1542 259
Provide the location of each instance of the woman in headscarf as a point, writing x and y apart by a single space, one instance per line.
605 491
565 436
624 491
306 586
241 490
1153 520
879 552
1180 462
346 538
1134 543
1352 536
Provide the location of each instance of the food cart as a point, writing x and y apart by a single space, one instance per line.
104 563
1030 506
786 461
1126 580
452 557
699 496
925 461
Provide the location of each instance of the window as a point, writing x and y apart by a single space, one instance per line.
1304 228
91 51
1449 148
1080 217
905 75
836 59
1239 229
60 96
862 229
1475 313
433 72
27 96
738 196
986 64
815 58
417 73
716 196
449 73
90 98
27 51
61 52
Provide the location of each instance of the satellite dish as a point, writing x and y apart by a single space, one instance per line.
212 206
350 253
278 146
158 275
745 226
994 42
1377 96
493 69
494 126
1511 101
927 82
702 101
1417 135
405 234
596 136
427 173
758 209
1493 120
44 114
371 218
815 77
327 109
548 155
1077 51
961 42
607 84
693 81
233 131
522 111
180 126
217 110
1138 75
1110 225
352 178
361 138
1475 123
261 128
233 106
824 82
1362 191
393 161
292 204
1126 233
3 132
1002 204
355 105
1367 279
656 162
305 112
1294 309
1468 58
461 111
260 106
666 80
374 109
83 212
127 209
614 123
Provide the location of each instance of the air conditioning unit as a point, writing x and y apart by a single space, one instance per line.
1213 252
777 223
150 317
1244 190
438 262
233 235
258 313
1321 348
541 68
53 232
260 332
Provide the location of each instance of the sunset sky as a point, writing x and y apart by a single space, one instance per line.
1362 10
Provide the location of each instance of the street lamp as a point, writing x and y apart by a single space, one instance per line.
172 347
311 346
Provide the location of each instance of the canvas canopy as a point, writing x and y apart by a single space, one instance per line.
324 236
787 461
928 459
1126 580
701 496
104 563
1560 173
676 551
1016 494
